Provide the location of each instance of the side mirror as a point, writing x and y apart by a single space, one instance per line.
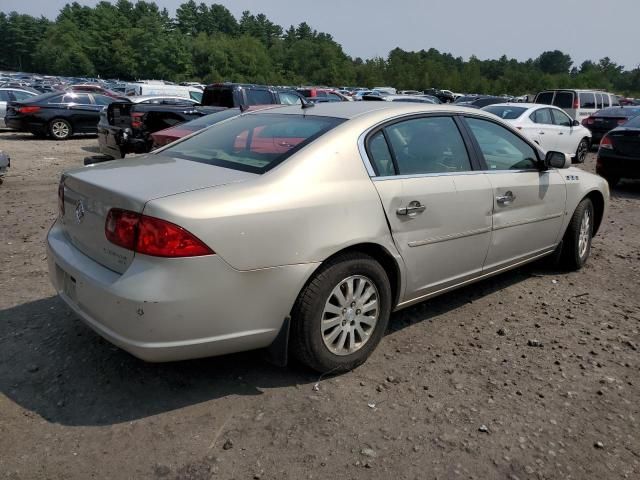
557 160
575 123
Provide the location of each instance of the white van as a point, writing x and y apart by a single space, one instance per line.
139 89
579 104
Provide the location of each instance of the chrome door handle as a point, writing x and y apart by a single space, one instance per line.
541 133
412 209
560 133
506 199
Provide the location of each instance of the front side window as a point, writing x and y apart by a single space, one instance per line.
428 145
197 96
563 100
560 118
587 100
76 98
252 143
542 117
259 97
502 149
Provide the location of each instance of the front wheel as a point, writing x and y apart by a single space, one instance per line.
583 149
60 129
342 314
576 244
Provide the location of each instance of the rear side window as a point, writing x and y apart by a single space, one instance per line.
545 98
428 145
103 99
563 100
380 155
598 101
502 150
253 143
4 96
259 97
587 100
542 116
20 95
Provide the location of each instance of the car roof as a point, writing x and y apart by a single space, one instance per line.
350 110
142 98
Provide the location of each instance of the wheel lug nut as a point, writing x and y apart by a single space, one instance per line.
353 304
358 312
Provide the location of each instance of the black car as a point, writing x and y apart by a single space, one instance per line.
444 97
607 119
478 101
58 114
619 153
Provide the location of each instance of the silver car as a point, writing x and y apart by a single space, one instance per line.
300 230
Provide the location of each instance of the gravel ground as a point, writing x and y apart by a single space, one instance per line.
454 390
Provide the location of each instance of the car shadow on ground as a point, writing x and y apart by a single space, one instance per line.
626 189
91 149
55 366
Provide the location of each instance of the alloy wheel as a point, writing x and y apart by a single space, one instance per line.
585 233
350 315
60 129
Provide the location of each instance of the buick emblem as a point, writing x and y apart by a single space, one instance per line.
79 211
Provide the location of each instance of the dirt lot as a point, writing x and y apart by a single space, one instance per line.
74 407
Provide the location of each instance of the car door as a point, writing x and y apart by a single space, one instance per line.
437 206
567 138
528 203
542 130
80 111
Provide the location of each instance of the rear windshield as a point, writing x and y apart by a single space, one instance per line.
563 100
218 96
506 112
618 112
253 143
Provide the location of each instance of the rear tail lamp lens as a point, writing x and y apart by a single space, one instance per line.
576 103
621 121
136 120
606 143
587 121
26 110
152 236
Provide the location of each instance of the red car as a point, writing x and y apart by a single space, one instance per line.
323 94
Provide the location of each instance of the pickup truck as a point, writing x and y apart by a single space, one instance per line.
126 126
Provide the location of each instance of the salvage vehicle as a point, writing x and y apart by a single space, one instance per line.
11 95
548 126
126 127
5 163
301 229
619 153
58 115
607 119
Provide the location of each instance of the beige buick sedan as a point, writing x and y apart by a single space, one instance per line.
301 229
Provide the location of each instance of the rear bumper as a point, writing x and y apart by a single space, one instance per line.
175 309
615 165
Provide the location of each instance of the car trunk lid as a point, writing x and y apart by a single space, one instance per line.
90 192
627 142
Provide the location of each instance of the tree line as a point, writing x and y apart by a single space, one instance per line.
126 40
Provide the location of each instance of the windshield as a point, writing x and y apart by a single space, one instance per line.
506 112
253 143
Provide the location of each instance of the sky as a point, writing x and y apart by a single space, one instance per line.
585 29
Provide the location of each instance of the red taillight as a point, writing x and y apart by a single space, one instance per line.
121 228
587 121
606 143
152 236
136 119
28 109
61 197
576 103
621 121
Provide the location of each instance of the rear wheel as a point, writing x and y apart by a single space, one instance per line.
583 149
60 129
342 314
576 244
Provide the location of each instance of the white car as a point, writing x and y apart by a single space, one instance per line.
548 126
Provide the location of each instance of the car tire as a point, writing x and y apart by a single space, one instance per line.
576 244
582 150
330 330
60 129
